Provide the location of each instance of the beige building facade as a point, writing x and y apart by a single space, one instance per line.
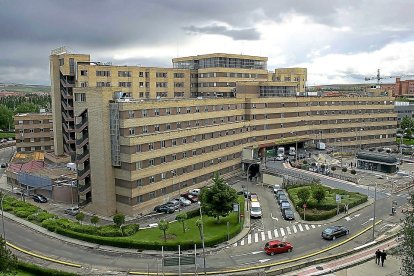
34 132
134 152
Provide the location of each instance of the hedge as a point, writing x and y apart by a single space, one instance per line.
37 270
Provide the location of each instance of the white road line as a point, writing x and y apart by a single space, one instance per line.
294 229
288 230
319 225
307 227
282 232
276 234
269 234
249 239
235 244
300 227
313 226
263 236
242 242
256 237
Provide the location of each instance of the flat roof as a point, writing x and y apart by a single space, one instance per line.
212 55
377 157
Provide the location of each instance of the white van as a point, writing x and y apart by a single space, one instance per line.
292 151
255 210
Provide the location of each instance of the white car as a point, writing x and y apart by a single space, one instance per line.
184 201
279 158
195 192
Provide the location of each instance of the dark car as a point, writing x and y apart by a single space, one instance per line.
282 198
39 198
168 209
275 247
3 165
333 232
288 214
279 192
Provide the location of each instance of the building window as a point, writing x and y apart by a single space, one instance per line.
131 114
162 159
139 183
178 110
132 131
174 142
161 75
144 113
139 148
152 194
168 111
162 144
157 127
84 84
168 126
103 73
151 179
188 110
174 157
145 129
124 74
138 165
84 72
152 162
124 84
79 97
157 112
141 84
141 74
151 146
179 125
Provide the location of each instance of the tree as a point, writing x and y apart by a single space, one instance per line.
407 123
303 194
353 172
80 217
217 200
163 226
318 193
181 217
8 262
344 169
199 224
119 220
6 117
27 108
94 220
407 244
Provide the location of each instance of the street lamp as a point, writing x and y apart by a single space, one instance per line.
373 222
342 150
2 215
202 239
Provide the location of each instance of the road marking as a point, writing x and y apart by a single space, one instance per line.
294 229
249 239
367 221
242 242
244 254
300 227
347 218
319 225
282 232
235 244
256 237
313 226
263 236
307 227
273 217
276 234
357 215
288 230
269 234
264 260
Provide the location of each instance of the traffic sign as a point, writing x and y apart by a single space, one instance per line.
305 206
338 198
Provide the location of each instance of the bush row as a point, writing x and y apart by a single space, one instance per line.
37 270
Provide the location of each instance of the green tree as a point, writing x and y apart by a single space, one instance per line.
94 220
318 193
6 117
407 123
217 200
163 225
407 244
8 262
119 220
303 194
26 108
199 224
181 217
80 217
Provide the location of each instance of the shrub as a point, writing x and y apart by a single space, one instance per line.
305 162
40 217
344 169
109 231
380 150
130 229
37 270
333 168
353 172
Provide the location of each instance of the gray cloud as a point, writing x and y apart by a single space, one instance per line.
30 29
236 34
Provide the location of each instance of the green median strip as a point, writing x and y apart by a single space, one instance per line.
42 257
272 264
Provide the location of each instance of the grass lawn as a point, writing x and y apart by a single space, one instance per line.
328 206
7 135
213 231
24 273
406 141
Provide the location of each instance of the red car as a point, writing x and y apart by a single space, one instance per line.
273 247
190 197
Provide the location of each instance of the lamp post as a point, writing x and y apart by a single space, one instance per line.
342 150
373 222
2 215
202 239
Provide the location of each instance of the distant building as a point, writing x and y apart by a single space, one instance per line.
404 88
34 132
404 109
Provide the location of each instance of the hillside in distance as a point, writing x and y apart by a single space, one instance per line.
24 88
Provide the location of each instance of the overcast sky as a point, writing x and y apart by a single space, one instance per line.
338 41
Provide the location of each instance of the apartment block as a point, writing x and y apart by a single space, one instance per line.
34 132
134 152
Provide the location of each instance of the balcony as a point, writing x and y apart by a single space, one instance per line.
85 202
65 83
82 141
81 126
84 189
82 157
67 117
68 128
66 106
68 139
84 173
65 94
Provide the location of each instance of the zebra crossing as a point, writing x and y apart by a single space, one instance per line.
278 233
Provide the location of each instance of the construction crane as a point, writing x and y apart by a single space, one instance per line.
378 77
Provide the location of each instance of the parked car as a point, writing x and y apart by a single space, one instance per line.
279 192
39 198
333 232
276 247
175 203
195 192
168 209
288 214
190 197
282 198
284 205
254 197
276 188
3 165
73 211
185 202
279 157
